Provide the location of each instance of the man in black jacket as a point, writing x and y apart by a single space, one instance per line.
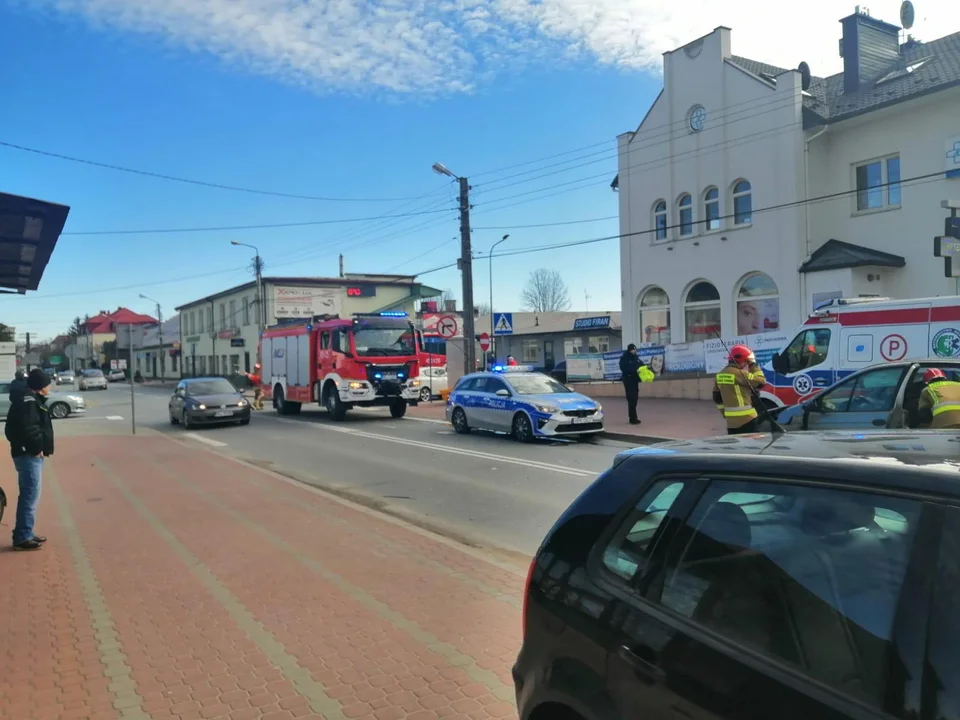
30 432
630 364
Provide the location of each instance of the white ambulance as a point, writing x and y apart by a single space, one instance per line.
846 335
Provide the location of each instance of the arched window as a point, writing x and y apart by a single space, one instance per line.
660 219
701 312
655 317
742 203
685 207
711 209
758 305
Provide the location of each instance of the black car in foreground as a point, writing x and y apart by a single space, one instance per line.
792 577
208 401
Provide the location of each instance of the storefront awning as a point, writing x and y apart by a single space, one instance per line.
29 230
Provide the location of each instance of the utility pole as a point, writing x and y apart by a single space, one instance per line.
27 355
341 264
133 405
465 263
261 305
159 334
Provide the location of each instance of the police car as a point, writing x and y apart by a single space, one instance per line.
526 404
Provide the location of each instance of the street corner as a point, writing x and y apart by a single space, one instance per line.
175 583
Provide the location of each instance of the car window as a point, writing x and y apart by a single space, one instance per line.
943 660
808 349
466 384
210 387
627 552
809 575
494 384
93 373
537 385
873 390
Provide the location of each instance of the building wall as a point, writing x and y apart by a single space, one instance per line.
753 131
917 131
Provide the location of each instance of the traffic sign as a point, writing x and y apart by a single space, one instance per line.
893 347
447 326
503 323
484 342
122 364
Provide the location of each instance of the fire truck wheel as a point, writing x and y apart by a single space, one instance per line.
283 406
398 408
459 422
335 407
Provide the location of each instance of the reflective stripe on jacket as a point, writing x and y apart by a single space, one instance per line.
733 385
942 398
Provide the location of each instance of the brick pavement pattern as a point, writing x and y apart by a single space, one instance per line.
178 583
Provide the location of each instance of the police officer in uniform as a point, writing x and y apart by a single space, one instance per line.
939 405
734 390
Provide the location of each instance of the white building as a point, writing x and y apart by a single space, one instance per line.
219 334
750 193
156 350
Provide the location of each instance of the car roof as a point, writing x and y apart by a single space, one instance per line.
202 379
934 453
503 375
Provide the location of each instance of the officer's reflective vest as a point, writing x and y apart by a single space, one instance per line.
942 398
732 391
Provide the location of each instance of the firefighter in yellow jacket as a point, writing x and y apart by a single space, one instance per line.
939 405
732 390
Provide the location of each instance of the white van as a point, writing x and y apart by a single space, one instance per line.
846 335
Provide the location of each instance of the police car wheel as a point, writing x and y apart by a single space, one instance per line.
522 429
459 421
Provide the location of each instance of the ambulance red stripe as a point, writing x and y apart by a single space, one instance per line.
904 316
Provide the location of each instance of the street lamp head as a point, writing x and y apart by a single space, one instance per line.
441 169
234 242
504 237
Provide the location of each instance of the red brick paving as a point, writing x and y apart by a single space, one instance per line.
382 620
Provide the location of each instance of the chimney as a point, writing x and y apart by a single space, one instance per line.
868 48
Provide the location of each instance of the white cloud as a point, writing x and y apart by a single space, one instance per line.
425 46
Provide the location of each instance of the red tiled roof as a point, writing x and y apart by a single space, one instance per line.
104 322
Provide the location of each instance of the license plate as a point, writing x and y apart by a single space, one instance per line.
581 421
389 376
223 413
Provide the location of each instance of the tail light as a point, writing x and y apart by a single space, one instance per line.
526 595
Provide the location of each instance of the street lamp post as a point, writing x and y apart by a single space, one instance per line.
261 309
466 268
159 335
493 342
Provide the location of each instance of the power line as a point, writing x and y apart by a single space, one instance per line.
549 224
189 181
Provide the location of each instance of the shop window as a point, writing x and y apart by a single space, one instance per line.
702 312
742 203
655 316
598 344
685 210
758 305
572 346
660 220
711 209
529 351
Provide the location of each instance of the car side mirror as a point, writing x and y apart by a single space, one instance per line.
503 393
779 363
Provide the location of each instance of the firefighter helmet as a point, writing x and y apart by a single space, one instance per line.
740 354
933 374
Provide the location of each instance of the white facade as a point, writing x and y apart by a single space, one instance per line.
721 121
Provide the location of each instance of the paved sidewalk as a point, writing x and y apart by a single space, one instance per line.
661 419
178 583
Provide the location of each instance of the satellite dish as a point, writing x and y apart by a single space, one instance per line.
907 15
804 75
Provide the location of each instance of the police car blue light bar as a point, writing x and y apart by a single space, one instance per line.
512 368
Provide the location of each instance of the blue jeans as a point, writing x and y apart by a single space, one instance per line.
29 472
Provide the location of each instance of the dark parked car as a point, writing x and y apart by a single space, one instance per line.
799 576
208 401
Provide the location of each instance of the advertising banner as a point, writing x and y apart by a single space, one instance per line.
588 366
684 357
654 357
304 302
758 316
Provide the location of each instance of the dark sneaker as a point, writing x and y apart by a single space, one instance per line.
634 422
40 539
28 545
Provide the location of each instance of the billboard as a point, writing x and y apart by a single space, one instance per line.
305 302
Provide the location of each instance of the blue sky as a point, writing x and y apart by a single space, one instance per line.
348 99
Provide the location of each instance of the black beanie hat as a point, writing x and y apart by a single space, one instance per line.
37 379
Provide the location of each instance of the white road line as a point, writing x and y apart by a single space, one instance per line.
428 420
208 441
453 451
114 417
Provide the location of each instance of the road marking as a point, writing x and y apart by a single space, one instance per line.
114 417
454 451
429 420
208 441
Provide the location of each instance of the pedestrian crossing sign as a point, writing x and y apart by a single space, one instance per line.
503 323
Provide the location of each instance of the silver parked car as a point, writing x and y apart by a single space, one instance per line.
59 404
66 377
92 379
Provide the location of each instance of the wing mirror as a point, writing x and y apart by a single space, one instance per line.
503 393
779 364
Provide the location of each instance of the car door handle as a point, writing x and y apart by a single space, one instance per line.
879 423
644 668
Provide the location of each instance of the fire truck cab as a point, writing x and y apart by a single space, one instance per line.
366 360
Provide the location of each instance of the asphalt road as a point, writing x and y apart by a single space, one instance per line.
483 488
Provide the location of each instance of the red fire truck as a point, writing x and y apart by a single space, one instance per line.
366 360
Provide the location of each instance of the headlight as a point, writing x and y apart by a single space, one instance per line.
598 408
201 406
414 383
546 408
355 385
242 403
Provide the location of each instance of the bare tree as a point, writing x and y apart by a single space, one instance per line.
545 291
446 297
482 308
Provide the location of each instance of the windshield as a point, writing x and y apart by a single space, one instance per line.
93 373
537 385
383 341
211 387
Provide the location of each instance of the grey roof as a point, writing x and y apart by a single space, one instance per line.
827 102
29 230
836 254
